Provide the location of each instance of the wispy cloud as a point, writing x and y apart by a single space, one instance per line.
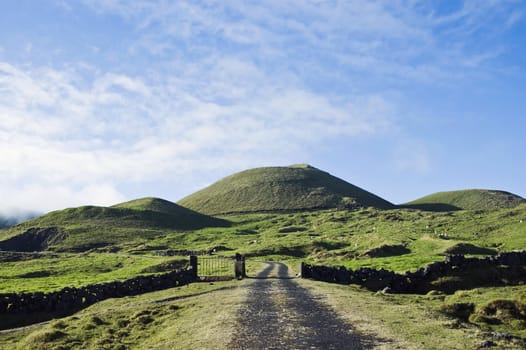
59 137
408 40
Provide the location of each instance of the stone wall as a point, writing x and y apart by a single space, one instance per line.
73 298
417 281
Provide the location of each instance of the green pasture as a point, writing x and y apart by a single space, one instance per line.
54 272
101 249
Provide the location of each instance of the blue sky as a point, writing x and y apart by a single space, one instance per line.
103 101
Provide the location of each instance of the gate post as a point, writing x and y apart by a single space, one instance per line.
193 265
304 271
239 266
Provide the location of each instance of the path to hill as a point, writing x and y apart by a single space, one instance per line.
280 314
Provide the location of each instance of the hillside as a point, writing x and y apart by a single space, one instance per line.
157 205
140 213
91 226
298 187
475 199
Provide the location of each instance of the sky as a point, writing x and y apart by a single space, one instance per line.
103 101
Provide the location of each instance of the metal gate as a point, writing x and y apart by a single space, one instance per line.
217 267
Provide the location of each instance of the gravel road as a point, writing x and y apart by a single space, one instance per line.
280 314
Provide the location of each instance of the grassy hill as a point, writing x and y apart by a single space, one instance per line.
292 188
146 212
467 200
156 205
136 221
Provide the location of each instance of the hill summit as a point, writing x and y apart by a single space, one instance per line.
158 205
295 187
475 199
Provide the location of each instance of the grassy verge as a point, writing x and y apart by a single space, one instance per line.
413 321
199 316
496 309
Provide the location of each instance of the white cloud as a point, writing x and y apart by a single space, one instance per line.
60 138
43 198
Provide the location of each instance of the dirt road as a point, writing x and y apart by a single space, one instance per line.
280 314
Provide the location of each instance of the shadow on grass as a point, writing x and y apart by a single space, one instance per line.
436 207
10 322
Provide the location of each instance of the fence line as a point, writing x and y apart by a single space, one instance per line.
184 252
419 281
76 298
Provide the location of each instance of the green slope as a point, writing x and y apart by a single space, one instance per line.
165 216
157 205
467 200
92 227
299 187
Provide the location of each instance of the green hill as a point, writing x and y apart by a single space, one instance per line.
467 200
156 205
92 227
292 188
148 212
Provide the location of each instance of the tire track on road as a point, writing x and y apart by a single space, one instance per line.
280 314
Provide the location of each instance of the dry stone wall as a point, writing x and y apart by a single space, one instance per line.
417 281
73 298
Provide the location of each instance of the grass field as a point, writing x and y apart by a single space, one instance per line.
56 271
399 240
